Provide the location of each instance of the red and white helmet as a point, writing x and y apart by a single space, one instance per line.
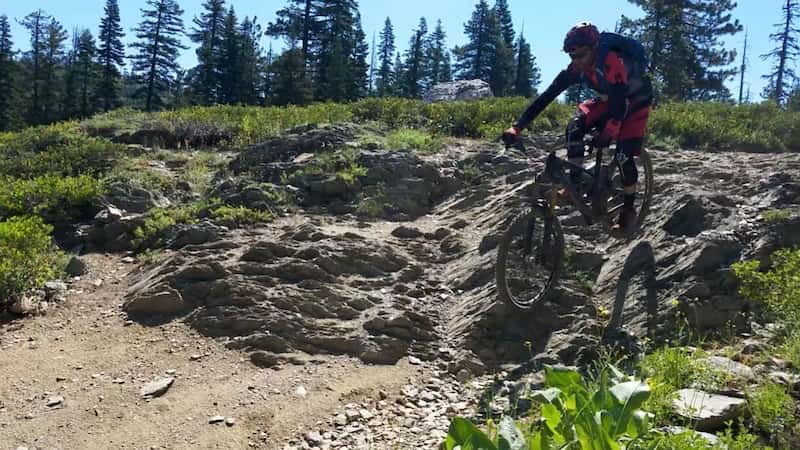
584 34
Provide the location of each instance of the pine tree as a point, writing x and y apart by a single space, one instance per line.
158 48
475 59
251 63
782 76
7 75
386 49
399 76
503 15
682 38
36 23
268 83
415 61
302 22
359 78
742 69
111 56
340 72
178 89
793 103
87 74
291 82
208 32
52 71
371 88
710 20
527 74
504 66
229 61
70 105
438 57
501 73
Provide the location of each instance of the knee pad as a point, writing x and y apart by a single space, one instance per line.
629 172
576 129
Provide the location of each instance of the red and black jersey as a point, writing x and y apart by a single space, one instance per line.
610 79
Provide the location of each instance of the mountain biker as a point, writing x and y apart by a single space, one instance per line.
615 67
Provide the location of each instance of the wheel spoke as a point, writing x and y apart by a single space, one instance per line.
530 262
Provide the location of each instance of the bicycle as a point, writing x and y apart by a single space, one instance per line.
531 250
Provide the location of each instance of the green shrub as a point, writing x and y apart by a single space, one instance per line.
198 170
790 349
779 288
151 233
27 255
721 126
409 139
699 125
772 408
159 220
60 149
139 172
237 216
56 199
343 163
779 215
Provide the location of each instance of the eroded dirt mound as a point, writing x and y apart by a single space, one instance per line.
306 288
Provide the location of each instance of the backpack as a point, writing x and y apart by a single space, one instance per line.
631 51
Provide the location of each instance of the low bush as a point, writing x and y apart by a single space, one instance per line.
27 256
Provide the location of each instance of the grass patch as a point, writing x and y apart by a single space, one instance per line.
139 172
199 169
779 215
778 289
417 140
772 408
342 163
239 216
158 222
670 369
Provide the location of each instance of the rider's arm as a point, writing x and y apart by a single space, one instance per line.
565 79
617 78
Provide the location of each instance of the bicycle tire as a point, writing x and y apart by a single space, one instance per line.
526 222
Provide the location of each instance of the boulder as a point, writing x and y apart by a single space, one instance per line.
459 90
708 412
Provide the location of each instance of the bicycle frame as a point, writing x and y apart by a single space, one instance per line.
556 170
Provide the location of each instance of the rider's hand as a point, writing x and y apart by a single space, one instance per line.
510 136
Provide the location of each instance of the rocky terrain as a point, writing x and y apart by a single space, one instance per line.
332 328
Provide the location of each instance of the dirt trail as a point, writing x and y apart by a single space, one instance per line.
85 352
415 293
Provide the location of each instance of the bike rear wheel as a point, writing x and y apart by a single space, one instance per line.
529 258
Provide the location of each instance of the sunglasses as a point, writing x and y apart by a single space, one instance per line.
579 55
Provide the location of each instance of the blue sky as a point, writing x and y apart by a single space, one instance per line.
544 25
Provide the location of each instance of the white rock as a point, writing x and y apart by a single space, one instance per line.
708 412
156 388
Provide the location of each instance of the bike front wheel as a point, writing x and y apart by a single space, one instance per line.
529 258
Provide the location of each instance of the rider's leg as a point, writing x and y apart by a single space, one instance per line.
588 114
629 145
576 129
627 150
